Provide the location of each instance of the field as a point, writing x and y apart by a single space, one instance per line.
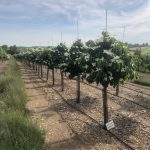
80 126
144 50
144 79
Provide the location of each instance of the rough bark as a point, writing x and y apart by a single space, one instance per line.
53 76
78 89
47 72
117 90
41 71
62 80
105 106
36 67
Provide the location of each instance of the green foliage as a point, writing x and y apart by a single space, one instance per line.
142 82
12 89
17 132
54 62
105 62
142 61
47 57
144 79
75 59
3 54
5 47
60 51
109 63
44 57
90 43
13 50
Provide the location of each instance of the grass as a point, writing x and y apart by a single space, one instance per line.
142 82
144 50
144 79
12 90
17 131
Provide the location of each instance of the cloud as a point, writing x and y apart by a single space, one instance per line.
49 17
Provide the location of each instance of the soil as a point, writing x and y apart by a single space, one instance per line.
72 126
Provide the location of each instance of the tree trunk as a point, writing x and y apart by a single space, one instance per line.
29 64
47 72
33 65
105 106
78 89
36 67
117 90
53 76
41 72
62 80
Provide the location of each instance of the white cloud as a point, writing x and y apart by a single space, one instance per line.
134 15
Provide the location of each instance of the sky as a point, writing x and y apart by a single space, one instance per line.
48 22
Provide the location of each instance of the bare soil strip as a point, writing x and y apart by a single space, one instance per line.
66 127
57 131
132 121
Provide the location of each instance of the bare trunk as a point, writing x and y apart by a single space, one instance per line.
29 63
47 72
33 65
78 89
36 67
117 90
62 80
41 72
105 106
53 76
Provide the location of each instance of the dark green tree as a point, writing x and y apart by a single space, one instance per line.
75 63
12 50
90 43
61 49
5 47
107 68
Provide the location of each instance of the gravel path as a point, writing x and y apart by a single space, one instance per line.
58 133
67 128
132 121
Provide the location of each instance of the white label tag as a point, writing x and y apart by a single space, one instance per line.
110 125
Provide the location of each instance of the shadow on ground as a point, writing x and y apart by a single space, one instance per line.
93 134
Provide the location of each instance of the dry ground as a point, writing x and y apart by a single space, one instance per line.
71 126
